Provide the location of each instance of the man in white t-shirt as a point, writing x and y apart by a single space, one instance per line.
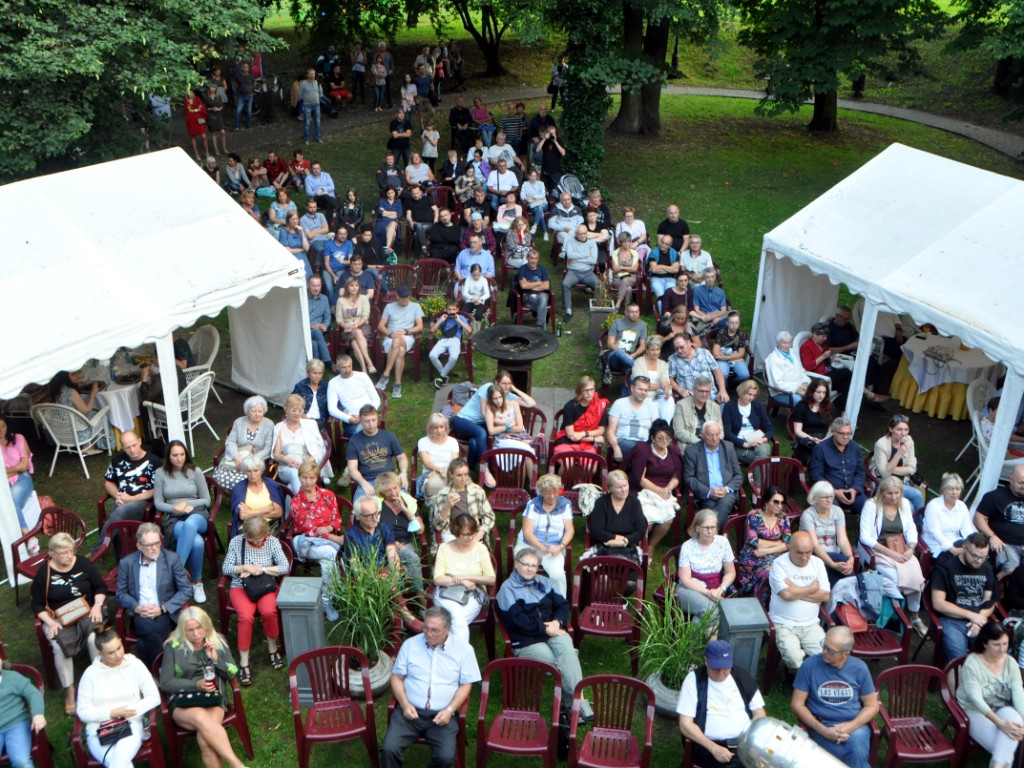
799 585
630 418
716 705
400 326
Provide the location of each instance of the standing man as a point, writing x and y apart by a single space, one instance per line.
244 84
432 678
389 67
309 94
347 393
580 260
1000 514
962 589
630 418
534 286
716 705
358 59
129 482
834 698
461 122
153 587
320 185
319 319
835 461
372 452
400 325
551 154
712 471
676 228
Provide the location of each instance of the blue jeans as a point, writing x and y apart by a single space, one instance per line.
954 637
475 434
789 399
244 102
320 345
911 494
17 741
854 752
22 491
538 216
738 368
378 96
661 284
188 534
310 111
620 361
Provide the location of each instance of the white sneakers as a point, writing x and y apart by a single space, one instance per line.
198 593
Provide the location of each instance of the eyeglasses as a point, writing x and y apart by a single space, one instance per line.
371 516
900 419
707 527
777 501
590 389
528 565
641 378
835 652
150 543
974 556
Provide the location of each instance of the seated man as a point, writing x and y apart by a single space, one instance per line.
712 471
502 150
663 264
695 260
369 251
687 363
500 182
319 319
962 591
368 538
314 224
630 419
299 168
709 304
444 237
421 215
716 705
367 281
692 412
152 587
834 460
799 585
580 261
626 341
400 326
676 228
277 170
390 175
347 393
129 482
564 218
320 186
844 339
535 616
834 699
478 225
474 254
432 678
1000 513
534 286
337 253
373 451
450 325
479 204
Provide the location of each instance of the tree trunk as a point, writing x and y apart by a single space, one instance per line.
655 50
826 112
628 119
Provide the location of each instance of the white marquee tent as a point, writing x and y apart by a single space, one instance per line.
912 233
138 248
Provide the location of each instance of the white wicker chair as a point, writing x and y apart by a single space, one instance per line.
205 344
1005 470
192 402
979 392
63 424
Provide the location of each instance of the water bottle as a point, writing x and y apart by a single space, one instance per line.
558 328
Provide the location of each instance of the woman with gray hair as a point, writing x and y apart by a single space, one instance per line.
257 495
313 390
784 372
546 529
825 521
947 520
250 435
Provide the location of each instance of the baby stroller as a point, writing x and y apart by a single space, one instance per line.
571 184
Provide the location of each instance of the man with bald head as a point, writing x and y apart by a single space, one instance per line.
712 471
677 228
799 585
129 483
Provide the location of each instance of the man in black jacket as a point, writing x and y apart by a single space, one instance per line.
444 238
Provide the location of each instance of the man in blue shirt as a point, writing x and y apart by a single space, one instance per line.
534 286
835 461
709 304
834 698
337 252
712 472
369 537
319 319
320 185
475 254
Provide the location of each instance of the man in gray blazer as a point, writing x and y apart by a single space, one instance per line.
712 472
153 587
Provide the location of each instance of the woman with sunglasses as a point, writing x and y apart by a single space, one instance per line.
894 456
768 534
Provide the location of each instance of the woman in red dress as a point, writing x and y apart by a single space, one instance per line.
195 123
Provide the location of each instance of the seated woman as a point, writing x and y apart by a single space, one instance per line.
314 392
947 520
235 178
747 425
462 565
247 202
894 456
18 463
115 686
546 529
250 435
768 535
435 453
460 496
636 229
584 420
467 184
991 693
67 597
180 493
482 120
987 424
297 439
293 237
470 425
651 366
730 349
678 323
888 532
503 420
353 315
277 214
617 524
827 522
418 173
625 269
252 554
399 511
655 470
258 176
508 212
318 530
195 703
783 372
351 212
518 241
817 357
534 195
707 567
258 495
63 390
812 418
389 218
24 705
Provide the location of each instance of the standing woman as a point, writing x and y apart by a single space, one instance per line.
559 73
250 435
197 704
181 494
991 694
18 463
352 311
894 456
547 528
462 562
195 123
768 535
215 120
318 528
378 79
811 419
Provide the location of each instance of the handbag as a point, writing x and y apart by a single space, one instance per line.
851 616
256 586
71 612
454 592
897 543
112 731
205 699
552 88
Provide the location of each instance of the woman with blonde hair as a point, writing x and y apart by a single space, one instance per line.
435 452
547 529
318 528
297 439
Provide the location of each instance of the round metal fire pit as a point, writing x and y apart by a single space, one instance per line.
515 347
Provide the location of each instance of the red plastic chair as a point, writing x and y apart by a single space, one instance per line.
773 658
519 728
41 752
612 743
391 277
669 570
508 467
435 277
224 606
598 595
52 520
460 739
492 303
577 468
879 643
520 310
333 716
150 752
782 471
466 351
126 531
934 629
903 694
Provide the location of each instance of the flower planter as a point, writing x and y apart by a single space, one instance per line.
665 698
380 678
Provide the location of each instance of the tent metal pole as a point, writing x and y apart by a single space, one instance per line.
860 365
169 381
1013 388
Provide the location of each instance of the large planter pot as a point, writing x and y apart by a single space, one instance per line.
665 698
598 314
380 678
